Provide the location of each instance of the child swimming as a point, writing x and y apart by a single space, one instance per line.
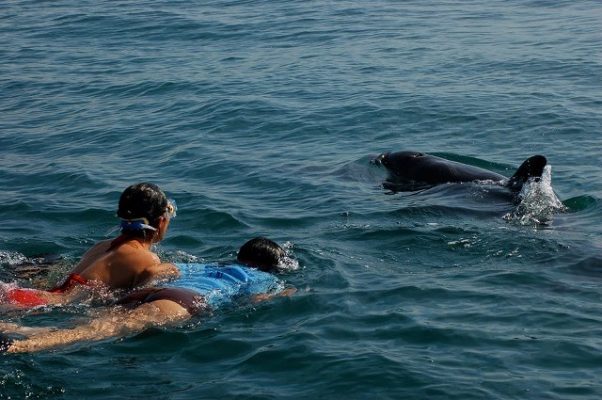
161 306
251 274
125 262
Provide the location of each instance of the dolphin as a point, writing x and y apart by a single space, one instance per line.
412 170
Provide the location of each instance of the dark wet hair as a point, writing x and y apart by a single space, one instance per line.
261 253
142 200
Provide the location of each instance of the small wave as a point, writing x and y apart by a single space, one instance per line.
538 202
181 256
581 203
590 267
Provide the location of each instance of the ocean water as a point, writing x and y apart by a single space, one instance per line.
261 118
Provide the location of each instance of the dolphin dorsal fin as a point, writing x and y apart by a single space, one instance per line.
530 168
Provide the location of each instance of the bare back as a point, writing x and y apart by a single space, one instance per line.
125 266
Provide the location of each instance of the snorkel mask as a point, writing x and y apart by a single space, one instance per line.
138 224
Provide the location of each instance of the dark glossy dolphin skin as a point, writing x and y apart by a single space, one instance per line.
412 170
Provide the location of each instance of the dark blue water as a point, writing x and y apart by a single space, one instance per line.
260 118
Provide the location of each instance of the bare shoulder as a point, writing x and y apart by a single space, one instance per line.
137 259
92 255
100 247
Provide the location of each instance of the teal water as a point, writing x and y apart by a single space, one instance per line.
260 118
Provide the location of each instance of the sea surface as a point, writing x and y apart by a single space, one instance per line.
261 118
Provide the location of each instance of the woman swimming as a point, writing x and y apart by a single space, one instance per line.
125 262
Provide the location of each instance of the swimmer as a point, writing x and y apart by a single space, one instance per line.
250 276
153 307
125 262
140 310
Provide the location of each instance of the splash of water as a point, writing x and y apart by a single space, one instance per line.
11 258
6 287
538 202
288 263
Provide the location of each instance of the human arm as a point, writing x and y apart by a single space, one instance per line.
259 297
260 285
161 271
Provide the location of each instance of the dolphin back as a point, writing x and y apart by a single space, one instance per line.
421 168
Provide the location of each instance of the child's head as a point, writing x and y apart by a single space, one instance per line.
141 206
261 253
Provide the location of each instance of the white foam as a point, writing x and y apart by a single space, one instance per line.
538 202
12 258
5 287
288 263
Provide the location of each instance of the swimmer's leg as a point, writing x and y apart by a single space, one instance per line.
114 323
24 330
